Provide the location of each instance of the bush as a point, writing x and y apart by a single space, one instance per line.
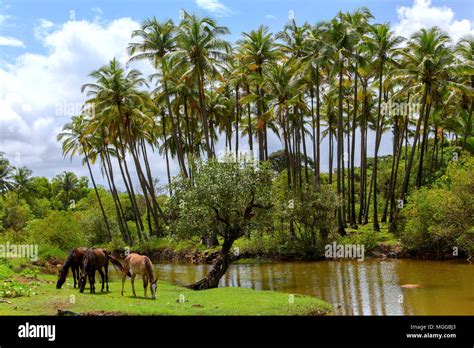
51 253
438 219
59 228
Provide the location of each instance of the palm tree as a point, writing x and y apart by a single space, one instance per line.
384 42
199 45
257 49
156 41
22 182
5 174
465 51
426 59
74 142
358 23
341 40
67 185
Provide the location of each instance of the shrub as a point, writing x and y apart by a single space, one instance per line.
59 228
441 218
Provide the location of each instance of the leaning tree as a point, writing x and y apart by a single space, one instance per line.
229 197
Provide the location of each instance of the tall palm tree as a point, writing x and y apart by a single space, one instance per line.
426 60
257 49
73 141
199 44
156 41
384 43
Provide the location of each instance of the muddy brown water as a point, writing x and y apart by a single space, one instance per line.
370 287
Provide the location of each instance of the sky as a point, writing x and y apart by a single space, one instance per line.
48 48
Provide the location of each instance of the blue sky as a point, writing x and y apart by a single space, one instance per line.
47 48
239 16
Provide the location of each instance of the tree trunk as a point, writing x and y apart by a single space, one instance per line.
340 150
109 232
221 264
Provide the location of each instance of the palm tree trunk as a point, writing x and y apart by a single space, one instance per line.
340 150
406 179
109 232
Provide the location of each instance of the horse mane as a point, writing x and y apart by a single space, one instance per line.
67 264
149 269
89 256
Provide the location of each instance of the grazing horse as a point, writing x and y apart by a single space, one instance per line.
73 261
139 264
94 260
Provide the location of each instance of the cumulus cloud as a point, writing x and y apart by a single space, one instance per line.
216 7
11 41
40 92
422 14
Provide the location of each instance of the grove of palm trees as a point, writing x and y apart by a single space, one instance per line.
328 94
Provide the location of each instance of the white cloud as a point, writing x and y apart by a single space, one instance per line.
3 19
42 29
38 87
11 41
270 16
422 14
216 7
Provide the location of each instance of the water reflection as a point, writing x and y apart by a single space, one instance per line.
371 287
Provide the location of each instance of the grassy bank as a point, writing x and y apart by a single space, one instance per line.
45 299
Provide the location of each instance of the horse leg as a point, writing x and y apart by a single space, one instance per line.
106 268
133 285
124 274
145 283
92 282
74 269
102 278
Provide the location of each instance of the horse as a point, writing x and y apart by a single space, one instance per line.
73 261
94 260
139 264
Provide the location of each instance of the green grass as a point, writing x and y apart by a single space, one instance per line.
46 300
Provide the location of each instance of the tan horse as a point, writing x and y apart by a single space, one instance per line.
141 265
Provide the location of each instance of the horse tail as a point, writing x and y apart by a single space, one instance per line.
149 269
116 263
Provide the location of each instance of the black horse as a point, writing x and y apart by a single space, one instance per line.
73 261
94 260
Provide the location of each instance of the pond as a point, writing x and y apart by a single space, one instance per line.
371 287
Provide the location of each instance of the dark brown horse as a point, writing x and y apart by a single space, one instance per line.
73 261
94 260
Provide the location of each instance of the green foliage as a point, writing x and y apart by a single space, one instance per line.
14 212
228 197
50 253
309 215
438 219
11 288
5 270
59 228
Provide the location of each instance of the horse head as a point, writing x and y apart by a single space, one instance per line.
61 279
153 286
82 281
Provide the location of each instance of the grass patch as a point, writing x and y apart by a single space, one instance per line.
46 300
